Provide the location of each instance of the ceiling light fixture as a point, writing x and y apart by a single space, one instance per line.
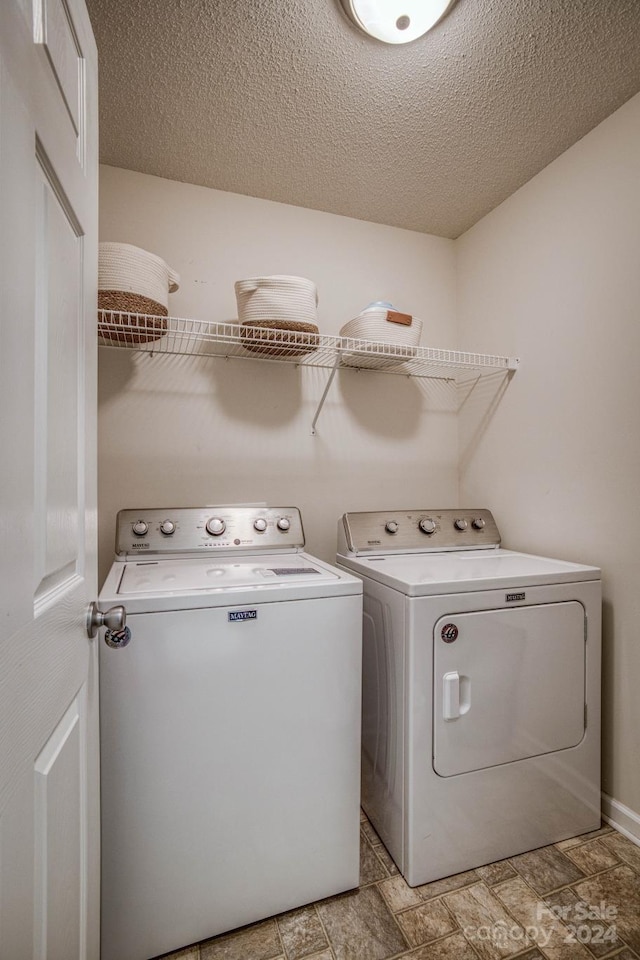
396 21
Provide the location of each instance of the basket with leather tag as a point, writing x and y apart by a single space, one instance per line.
381 324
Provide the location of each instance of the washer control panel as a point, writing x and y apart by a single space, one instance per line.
416 531
173 530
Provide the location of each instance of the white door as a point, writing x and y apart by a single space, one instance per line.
508 684
49 812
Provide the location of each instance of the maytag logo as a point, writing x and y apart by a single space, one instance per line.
511 597
235 615
139 546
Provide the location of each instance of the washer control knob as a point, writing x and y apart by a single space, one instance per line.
140 528
283 524
216 526
391 526
427 525
167 527
260 524
460 524
478 523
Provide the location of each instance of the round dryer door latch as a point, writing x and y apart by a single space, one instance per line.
449 632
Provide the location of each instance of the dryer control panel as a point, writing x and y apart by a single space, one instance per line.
417 531
179 531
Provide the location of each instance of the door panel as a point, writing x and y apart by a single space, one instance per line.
508 684
60 838
57 394
54 30
17 338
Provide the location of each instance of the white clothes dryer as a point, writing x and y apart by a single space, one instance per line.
481 690
230 726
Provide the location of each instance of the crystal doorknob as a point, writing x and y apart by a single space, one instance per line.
115 618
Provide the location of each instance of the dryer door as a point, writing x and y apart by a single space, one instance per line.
508 684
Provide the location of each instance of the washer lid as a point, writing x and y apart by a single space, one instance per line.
217 573
155 585
430 574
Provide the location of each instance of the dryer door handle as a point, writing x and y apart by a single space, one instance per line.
456 695
451 696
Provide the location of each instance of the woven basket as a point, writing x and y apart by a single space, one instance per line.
277 298
383 326
132 280
372 358
122 325
279 338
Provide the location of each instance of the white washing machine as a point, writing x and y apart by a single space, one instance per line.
230 726
481 690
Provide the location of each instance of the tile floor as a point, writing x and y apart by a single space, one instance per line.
534 906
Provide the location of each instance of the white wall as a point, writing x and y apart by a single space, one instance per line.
553 275
188 431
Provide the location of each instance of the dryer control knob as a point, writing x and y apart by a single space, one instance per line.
478 523
216 526
260 524
283 524
391 526
427 525
460 524
167 527
140 527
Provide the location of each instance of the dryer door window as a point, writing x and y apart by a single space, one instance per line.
508 684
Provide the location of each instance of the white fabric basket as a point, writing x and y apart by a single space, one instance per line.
277 298
378 324
129 269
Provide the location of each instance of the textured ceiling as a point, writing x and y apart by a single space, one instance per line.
286 100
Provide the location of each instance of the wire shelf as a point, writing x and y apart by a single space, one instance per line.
184 337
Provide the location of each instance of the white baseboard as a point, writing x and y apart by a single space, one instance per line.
621 818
